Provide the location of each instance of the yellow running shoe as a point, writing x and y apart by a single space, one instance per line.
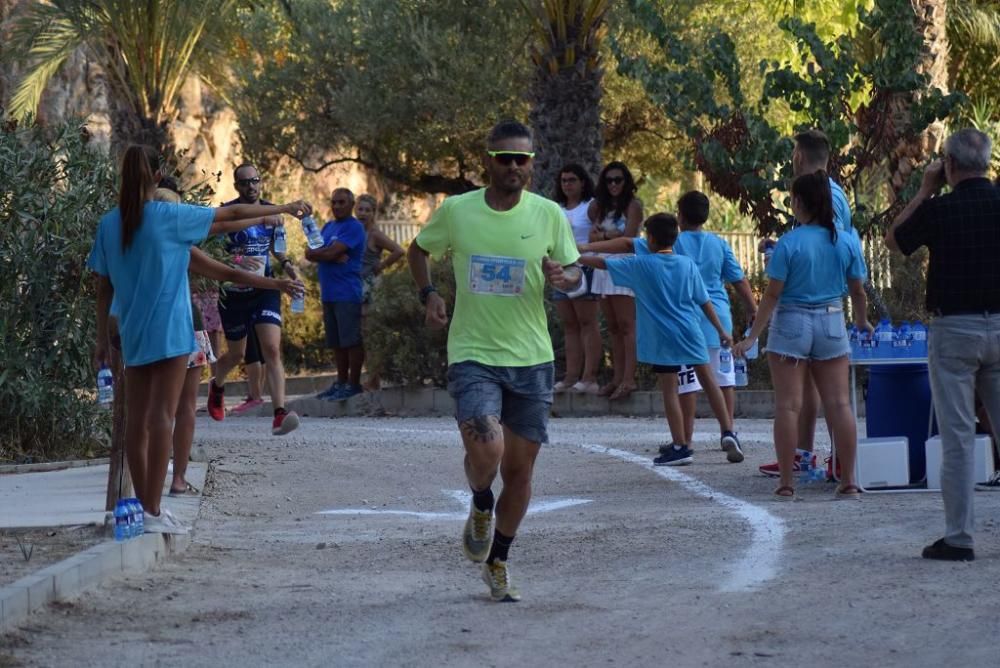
497 577
478 534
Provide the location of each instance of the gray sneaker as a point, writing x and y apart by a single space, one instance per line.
497 578
478 534
991 485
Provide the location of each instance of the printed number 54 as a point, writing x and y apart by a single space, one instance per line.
492 272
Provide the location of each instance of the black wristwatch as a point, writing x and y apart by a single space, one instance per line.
425 292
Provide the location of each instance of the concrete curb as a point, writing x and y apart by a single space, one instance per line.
52 466
85 570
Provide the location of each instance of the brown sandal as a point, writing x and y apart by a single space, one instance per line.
607 390
848 493
622 392
784 493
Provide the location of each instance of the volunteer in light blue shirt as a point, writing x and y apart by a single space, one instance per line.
141 254
810 270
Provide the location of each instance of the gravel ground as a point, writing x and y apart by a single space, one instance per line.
43 546
680 567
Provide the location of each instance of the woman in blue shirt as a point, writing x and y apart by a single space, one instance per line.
141 254
812 268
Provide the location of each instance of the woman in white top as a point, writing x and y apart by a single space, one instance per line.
581 331
616 212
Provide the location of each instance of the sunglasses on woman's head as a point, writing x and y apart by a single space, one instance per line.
614 180
508 157
246 182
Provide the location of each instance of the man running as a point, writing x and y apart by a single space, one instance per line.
243 308
500 355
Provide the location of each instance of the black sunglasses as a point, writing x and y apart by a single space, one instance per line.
614 180
508 157
246 182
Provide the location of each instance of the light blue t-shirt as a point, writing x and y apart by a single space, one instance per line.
669 294
718 266
152 298
841 208
815 271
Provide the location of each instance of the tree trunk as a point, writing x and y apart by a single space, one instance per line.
566 117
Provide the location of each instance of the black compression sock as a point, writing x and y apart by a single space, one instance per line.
483 499
500 547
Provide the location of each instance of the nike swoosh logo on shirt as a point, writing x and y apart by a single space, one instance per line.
527 236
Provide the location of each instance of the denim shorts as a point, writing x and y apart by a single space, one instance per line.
588 296
521 396
808 332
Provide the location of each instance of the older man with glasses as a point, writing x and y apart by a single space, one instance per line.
961 230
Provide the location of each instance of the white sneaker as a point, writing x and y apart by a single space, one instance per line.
165 523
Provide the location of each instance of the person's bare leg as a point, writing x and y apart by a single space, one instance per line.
832 381
215 338
343 359
571 340
706 376
255 380
729 394
617 347
136 429
689 404
672 407
808 415
483 440
516 468
624 308
788 377
161 382
355 360
269 339
184 428
229 360
590 337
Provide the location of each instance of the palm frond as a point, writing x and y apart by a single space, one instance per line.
975 23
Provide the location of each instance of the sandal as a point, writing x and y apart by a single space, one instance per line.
189 490
784 493
607 390
622 392
562 386
848 493
585 388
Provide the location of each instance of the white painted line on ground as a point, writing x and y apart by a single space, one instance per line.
462 498
645 430
759 564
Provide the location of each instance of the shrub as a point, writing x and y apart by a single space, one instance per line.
53 190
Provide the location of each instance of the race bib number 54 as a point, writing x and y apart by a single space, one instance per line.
494 275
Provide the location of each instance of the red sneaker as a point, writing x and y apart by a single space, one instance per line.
771 470
248 404
216 401
284 422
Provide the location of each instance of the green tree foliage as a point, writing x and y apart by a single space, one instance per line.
406 88
848 86
146 49
53 189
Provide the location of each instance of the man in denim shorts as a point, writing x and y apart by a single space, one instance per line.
501 239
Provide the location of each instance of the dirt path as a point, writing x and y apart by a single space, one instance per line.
621 565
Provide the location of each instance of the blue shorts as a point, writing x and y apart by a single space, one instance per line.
808 332
342 322
240 311
521 396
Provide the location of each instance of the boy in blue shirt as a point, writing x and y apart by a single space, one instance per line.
670 299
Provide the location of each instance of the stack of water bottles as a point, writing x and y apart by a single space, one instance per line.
128 519
907 341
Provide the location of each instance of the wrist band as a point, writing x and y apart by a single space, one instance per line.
238 259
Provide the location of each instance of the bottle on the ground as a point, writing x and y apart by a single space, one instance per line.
122 529
726 360
807 472
311 230
280 242
105 387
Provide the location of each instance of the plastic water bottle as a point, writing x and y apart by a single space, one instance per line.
809 473
726 360
136 523
852 338
122 529
742 378
903 343
280 243
883 339
753 352
918 332
105 387
299 303
313 236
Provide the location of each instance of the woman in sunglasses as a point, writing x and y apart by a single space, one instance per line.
581 332
616 212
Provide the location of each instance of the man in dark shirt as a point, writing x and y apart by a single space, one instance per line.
962 231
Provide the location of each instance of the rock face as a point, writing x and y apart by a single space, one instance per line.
205 133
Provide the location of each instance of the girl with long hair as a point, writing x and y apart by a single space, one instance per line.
616 212
812 268
141 255
574 191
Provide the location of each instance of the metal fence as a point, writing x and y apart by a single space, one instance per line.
744 245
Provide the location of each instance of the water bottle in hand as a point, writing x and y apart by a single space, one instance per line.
753 352
726 360
311 230
105 387
742 378
299 303
280 242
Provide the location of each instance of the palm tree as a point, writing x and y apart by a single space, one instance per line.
566 91
147 50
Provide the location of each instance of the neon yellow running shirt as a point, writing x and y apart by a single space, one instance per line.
499 317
